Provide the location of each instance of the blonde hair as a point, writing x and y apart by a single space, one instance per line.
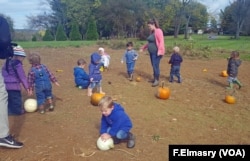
106 102
34 58
176 49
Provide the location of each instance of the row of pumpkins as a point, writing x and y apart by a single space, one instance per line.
162 93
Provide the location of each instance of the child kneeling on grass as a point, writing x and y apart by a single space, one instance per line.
115 123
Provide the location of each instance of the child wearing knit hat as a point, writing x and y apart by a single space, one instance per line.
14 76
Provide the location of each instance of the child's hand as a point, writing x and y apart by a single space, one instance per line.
105 136
56 83
141 50
122 61
29 91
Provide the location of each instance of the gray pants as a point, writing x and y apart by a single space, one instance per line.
4 122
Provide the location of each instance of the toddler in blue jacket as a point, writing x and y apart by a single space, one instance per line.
115 123
81 77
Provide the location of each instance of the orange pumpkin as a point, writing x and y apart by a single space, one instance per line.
95 98
230 99
138 79
224 73
163 92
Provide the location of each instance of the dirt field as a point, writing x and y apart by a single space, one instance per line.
195 113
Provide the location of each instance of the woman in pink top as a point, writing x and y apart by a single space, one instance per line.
156 49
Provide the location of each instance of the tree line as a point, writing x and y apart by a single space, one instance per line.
95 19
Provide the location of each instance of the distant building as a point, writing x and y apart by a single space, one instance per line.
200 32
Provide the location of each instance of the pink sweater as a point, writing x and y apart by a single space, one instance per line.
159 38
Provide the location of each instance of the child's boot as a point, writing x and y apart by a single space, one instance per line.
131 140
116 140
238 83
230 86
41 109
131 77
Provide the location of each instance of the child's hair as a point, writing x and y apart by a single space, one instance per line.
81 62
235 54
34 58
130 44
176 49
106 102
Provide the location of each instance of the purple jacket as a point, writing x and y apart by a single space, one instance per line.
13 79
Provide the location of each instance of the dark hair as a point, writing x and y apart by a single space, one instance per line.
130 44
81 62
154 22
235 54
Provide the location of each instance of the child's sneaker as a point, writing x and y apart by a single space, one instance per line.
131 140
51 108
10 142
42 111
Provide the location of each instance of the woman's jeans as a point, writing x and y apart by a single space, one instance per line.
155 62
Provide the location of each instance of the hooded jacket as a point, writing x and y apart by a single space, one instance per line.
81 77
232 67
117 120
94 67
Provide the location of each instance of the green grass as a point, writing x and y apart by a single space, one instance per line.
55 44
199 45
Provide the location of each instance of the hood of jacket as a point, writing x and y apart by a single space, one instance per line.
95 58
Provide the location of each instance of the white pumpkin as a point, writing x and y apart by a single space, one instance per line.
30 105
105 145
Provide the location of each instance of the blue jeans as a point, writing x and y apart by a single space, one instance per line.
130 67
175 71
43 92
155 62
120 134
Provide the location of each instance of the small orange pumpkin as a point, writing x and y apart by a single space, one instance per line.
163 92
95 98
230 99
224 73
138 79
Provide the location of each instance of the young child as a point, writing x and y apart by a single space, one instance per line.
175 62
130 56
14 76
105 59
95 75
232 69
81 77
39 79
115 123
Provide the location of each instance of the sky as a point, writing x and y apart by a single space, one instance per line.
18 10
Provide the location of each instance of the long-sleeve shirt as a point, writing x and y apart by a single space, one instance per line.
117 120
159 40
16 75
130 56
31 75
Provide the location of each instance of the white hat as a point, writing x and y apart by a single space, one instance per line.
18 51
101 49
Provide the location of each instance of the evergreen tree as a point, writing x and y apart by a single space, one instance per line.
47 36
75 33
60 34
92 33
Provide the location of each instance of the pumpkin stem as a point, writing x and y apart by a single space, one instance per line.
162 84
